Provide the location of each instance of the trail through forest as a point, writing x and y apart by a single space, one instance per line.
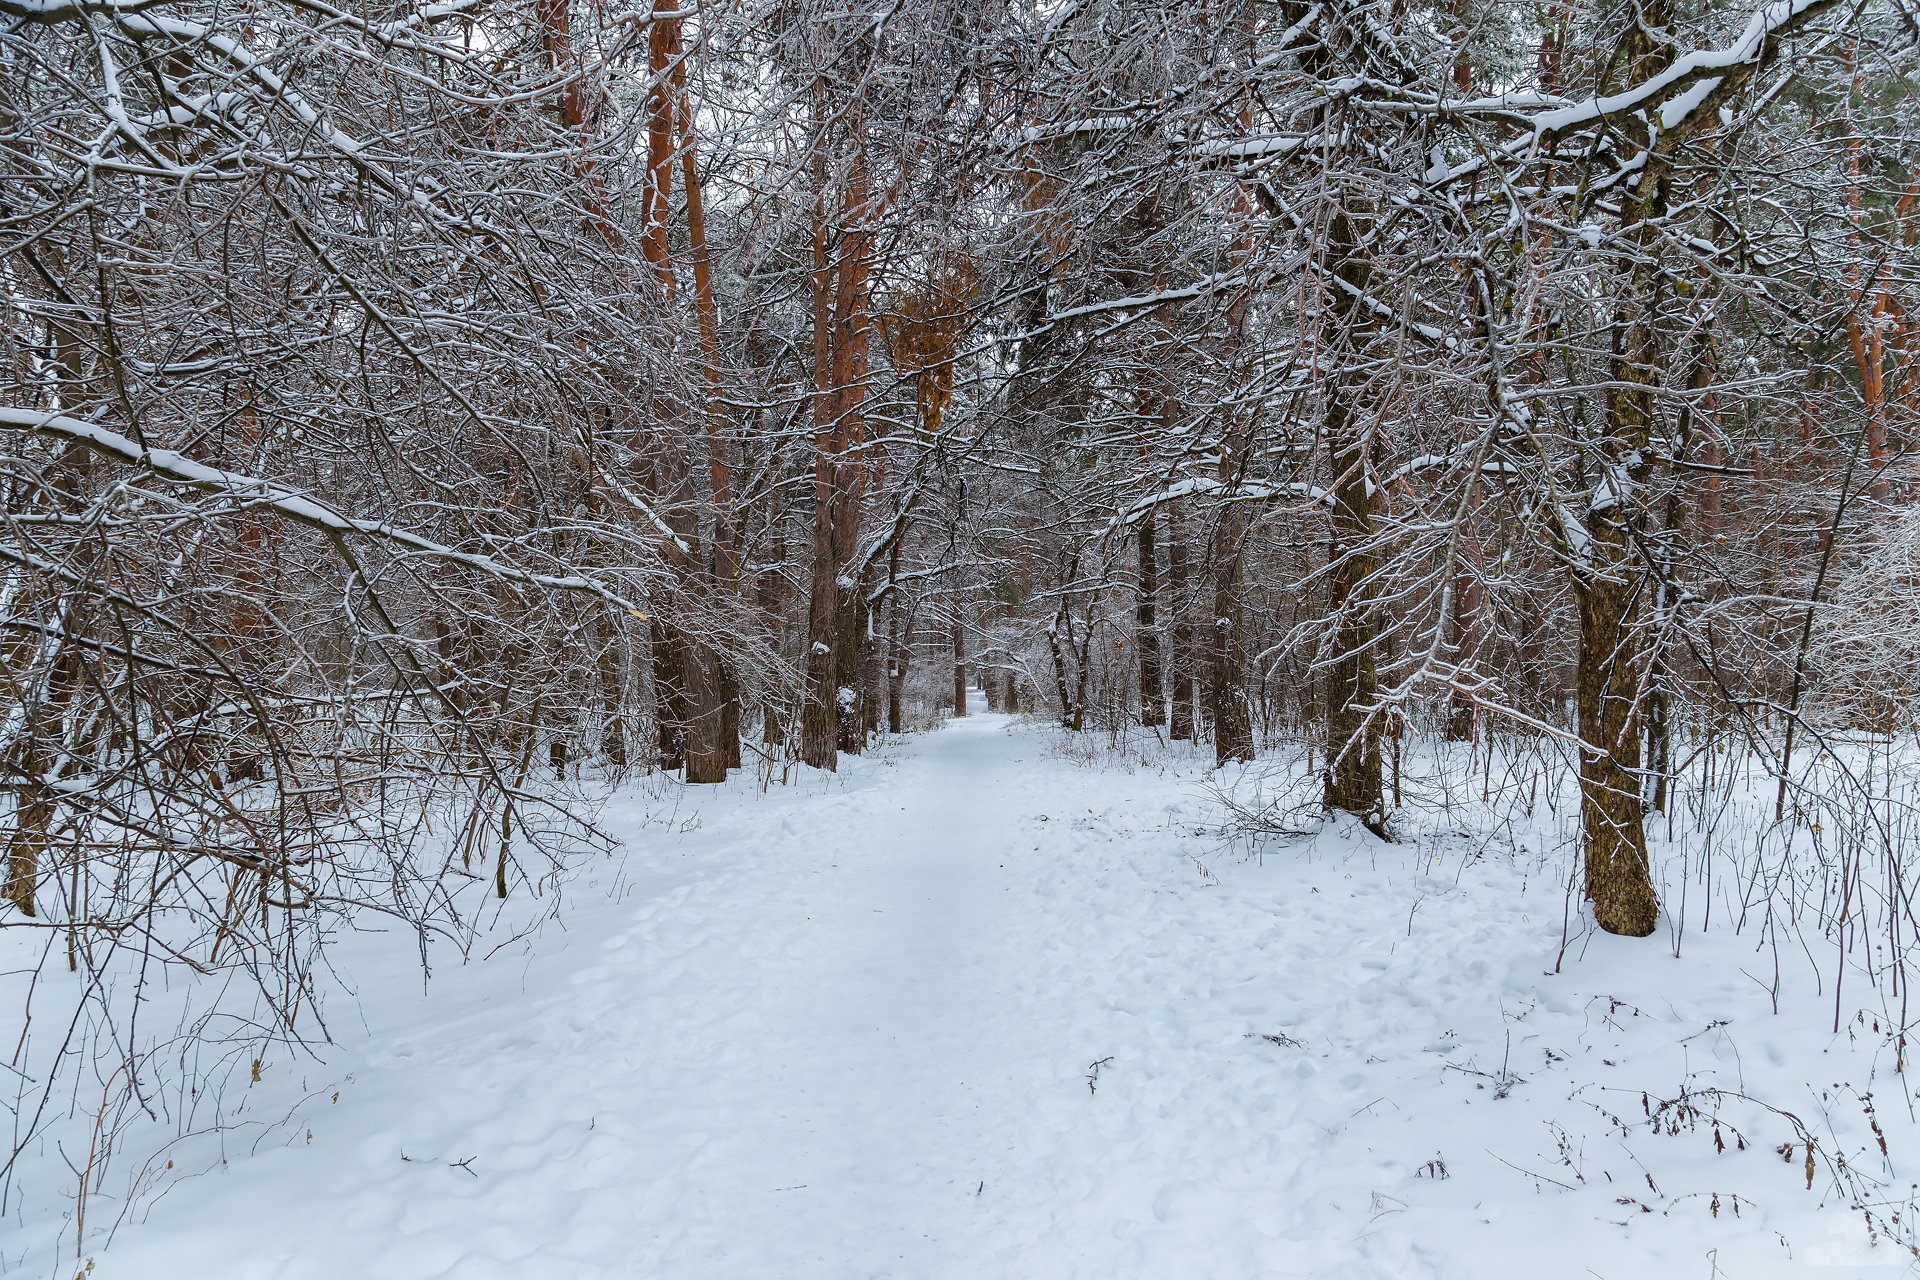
505 508
973 1008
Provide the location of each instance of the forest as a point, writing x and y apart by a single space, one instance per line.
451 450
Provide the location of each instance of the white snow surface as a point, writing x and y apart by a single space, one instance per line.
850 1029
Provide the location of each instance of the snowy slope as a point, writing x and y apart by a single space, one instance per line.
972 1009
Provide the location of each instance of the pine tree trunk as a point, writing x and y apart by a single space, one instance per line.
1069 713
717 679
1153 698
729 713
819 716
819 709
1226 642
899 629
959 667
1180 656
1462 715
773 610
850 651
847 365
670 709
706 746
897 658
613 730
873 695
1226 659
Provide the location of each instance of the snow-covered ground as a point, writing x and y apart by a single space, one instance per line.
975 1009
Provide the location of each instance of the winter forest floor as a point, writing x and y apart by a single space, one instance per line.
974 1008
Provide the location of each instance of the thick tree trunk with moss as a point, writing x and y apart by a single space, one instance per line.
1614 590
1352 783
1613 838
1612 582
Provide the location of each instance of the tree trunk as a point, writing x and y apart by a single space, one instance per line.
1226 642
819 716
1612 588
832 719
898 655
773 610
1462 714
1069 713
718 681
28 842
729 713
959 667
1153 697
1612 585
850 649
670 709
899 629
819 710
35 804
1353 777
1226 659
1180 656
875 681
613 730
1613 836
707 754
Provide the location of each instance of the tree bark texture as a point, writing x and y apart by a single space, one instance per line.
1146 627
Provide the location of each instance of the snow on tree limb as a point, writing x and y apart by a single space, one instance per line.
1246 491
290 503
1683 94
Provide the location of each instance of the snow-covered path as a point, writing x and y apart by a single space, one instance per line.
865 1071
849 1029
